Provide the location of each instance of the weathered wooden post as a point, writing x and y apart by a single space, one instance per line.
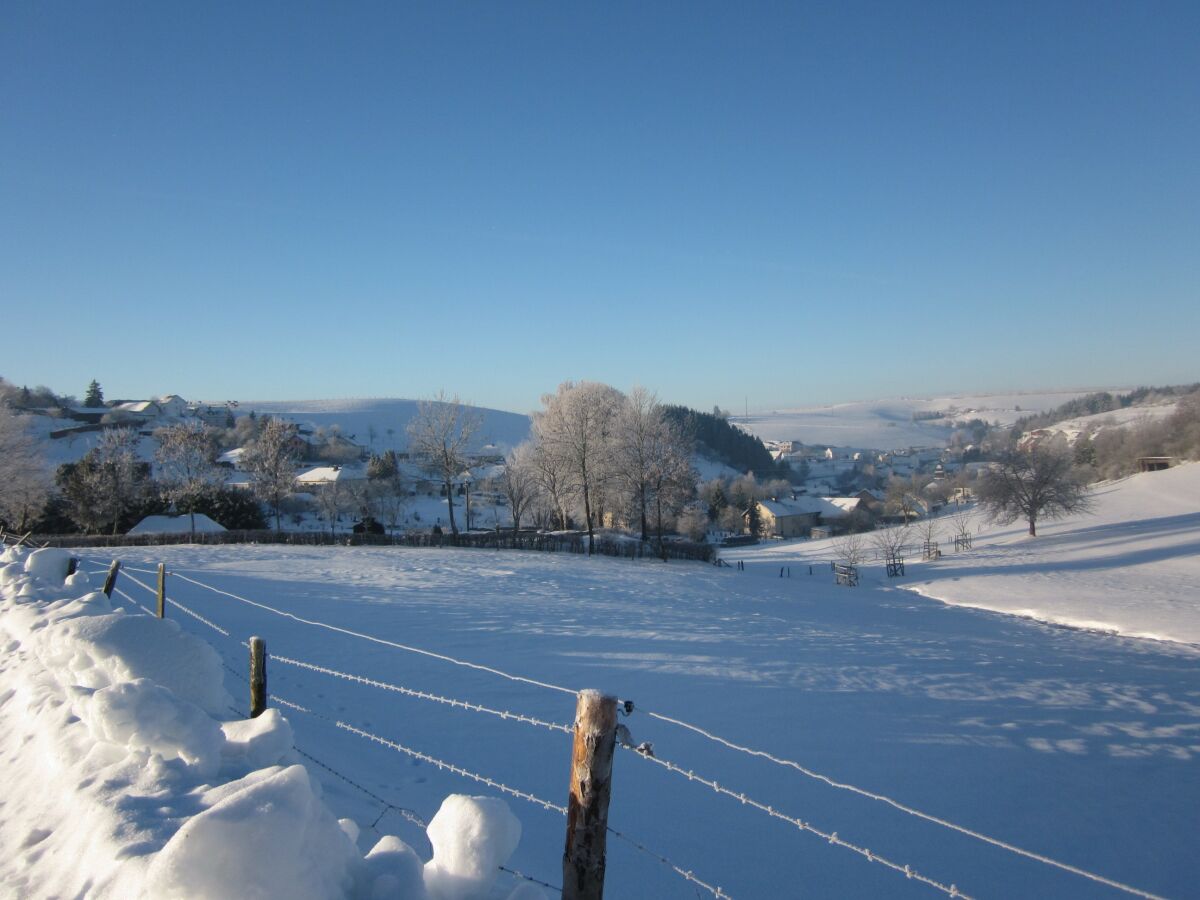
591 788
258 677
162 591
72 566
110 580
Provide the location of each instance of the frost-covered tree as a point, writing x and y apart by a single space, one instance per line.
519 481
575 429
1041 483
186 456
386 493
692 523
333 499
639 424
556 486
270 460
108 483
440 437
672 480
25 483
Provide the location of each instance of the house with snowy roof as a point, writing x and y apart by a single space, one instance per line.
325 476
797 516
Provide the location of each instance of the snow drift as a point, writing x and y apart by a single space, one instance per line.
124 775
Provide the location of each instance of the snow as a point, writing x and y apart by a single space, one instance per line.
1131 416
1130 567
1133 567
175 525
1077 743
887 424
471 837
500 432
124 778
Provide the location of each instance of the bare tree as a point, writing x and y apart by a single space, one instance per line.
890 542
25 482
575 428
1031 485
333 499
519 481
270 459
851 548
440 437
186 456
929 530
903 498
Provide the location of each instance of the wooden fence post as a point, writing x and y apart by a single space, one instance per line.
591 788
258 677
110 580
162 591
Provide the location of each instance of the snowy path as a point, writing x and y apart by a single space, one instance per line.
1080 746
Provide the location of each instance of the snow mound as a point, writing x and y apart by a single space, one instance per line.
471 837
272 838
49 564
122 781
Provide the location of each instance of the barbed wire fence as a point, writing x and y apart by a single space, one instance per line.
644 751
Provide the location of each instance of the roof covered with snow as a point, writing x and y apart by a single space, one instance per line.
175 525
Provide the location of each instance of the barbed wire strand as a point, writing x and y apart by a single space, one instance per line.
451 767
831 836
1067 867
556 888
686 874
895 804
195 615
483 779
409 815
372 638
422 695
147 611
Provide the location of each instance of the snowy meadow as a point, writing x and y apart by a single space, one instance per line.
1077 746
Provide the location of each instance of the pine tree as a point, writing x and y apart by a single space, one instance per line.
95 396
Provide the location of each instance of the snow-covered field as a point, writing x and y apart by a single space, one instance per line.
1079 745
888 424
1131 567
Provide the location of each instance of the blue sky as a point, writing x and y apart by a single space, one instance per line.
787 202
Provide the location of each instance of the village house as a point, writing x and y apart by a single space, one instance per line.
797 516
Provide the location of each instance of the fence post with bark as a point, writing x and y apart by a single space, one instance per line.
590 791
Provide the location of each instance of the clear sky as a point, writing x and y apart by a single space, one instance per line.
789 202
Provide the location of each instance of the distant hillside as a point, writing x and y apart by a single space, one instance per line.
899 422
1100 402
716 438
389 418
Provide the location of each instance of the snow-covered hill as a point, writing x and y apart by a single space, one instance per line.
889 424
500 432
1128 417
1132 567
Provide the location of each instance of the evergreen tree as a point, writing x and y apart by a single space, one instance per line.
95 396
